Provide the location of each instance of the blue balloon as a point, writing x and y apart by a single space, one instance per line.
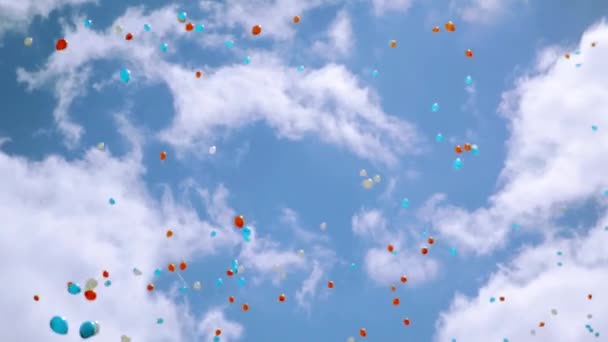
457 164
182 16
59 325
353 266
247 60
183 289
164 47
241 281
229 44
88 23
492 299
435 107
405 203
147 27
374 73
160 321
213 233
219 282
89 329
453 251
216 339
475 150
594 128
468 80
111 201
300 68
199 28
107 283
235 264
158 272
125 75
74 289
439 137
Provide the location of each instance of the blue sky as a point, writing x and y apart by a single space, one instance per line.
290 147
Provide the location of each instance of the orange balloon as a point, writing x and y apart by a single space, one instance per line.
163 155
393 288
424 250
436 29
183 265
231 299
90 295
567 56
541 324
458 149
330 284
363 332
36 298
390 248
296 19
239 221
392 44
171 268
189 27
150 287
430 240
245 307
256 30
169 233
199 74
406 321
218 332
61 44
467 147
469 53
282 298
590 296
404 279
396 301
450 26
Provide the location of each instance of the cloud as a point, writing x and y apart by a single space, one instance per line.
309 286
328 102
534 284
550 152
383 6
483 11
215 319
340 41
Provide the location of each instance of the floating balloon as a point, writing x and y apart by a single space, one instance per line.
396 301
218 332
169 233
160 321
101 146
439 137
125 75
231 299
129 36
436 29
300 68
229 44
112 201
594 128
147 27
197 285
403 279
468 53
468 80
91 284
450 26
183 265
125 338
164 47
74 288
363 173
105 274
88 23
245 307
247 60
136 271
241 281
362 332
467 147
392 44
350 339
405 203
330 284
158 272
171 267
183 289
90 295
390 248
59 325
61 44
430 240
213 233
107 283
118 29
301 253
458 149
367 183
406 321
219 282
435 107
199 28
377 179
189 27
182 16
457 164
296 19
593 44
475 149
393 288
163 155
28 41
256 30
239 221
282 297
424 250
150 287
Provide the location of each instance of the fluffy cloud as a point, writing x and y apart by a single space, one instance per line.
340 40
483 11
59 227
328 102
215 319
534 284
383 6
383 267
551 151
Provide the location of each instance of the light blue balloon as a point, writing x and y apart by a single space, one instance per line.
241 281
88 23
475 150
353 266
107 283
457 164
435 107
74 289
453 251
147 27
439 137
405 203
235 264
300 68
59 325
183 289
468 80
160 321
229 44
125 75
158 272
199 28
111 201
164 47
213 233
182 16
89 329
594 128
247 60
219 282
492 299
216 339
374 73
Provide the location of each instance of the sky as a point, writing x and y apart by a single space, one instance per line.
278 129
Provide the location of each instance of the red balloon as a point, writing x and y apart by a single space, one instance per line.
282 298
406 321
105 274
390 248
430 240
469 53
330 284
90 295
189 27
229 273
458 149
239 221
363 332
403 279
129 36
218 332
245 307
424 250
61 44
231 299
150 287
396 301
183 265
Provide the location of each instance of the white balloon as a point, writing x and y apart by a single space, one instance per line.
28 41
125 338
377 178
350 339
363 173
101 146
212 149
301 252
91 284
367 183
323 226
197 285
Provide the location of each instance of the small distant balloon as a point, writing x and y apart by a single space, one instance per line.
256 30
350 339
158 272
457 164
219 282
61 44
450 26
107 283
363 173
405 203
300 68
458 149
147 27
475 149
160 321
125 338
74 289
323 226
125 75
36 298
88 23
374 73
301 253
28 41
213 233
212 149
468 80
435 107
90 295
468 53
136 271
367 183
241 281
296 19
392 44
594 128
164 47
436 29
129 36
199 28
377 179
189 27
118 29
59 325
229 44
91 284
182 16
362 332
197 285
163 155
112 201
247 60
101 146
439 137
239 221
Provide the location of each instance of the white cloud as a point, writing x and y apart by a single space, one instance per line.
310 286
551 150
339 41
383 6
328 102
483 11
370 223
534 284
17 15
215 319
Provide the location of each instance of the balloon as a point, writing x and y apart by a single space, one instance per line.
403 279
218 332
467 147
125 338
105 274
457 164
183 265
189 27
239 221
435 107
450 26
118 29
439 137
112 201
90 295
101 146
245 307
231 299
458 149
405 203
350 339
241 281
436 29
492 299
390 248
424 250
136 271
163 155
396 301
164 47
468 80
300 68
129 36
296 19
219 282
61 44
330 284
363 173
182 16
213 233
229 272
91 284
567 56
301 253
594 128
171 267
501 298
199 28
392 43
430 240
59 325
36 298
147 27
282 297
593 44
323 226
169 233
475 149
216 339
406 321
160 321
74 289
590 296
229 44
367 183
197 285
88 23
199 74
150 287
362 332
374 73
125 75
256 30
469 53
377 178
107 283
453 251
183 289
28 41
247 60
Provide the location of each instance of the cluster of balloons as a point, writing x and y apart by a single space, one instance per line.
59 325
369 182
